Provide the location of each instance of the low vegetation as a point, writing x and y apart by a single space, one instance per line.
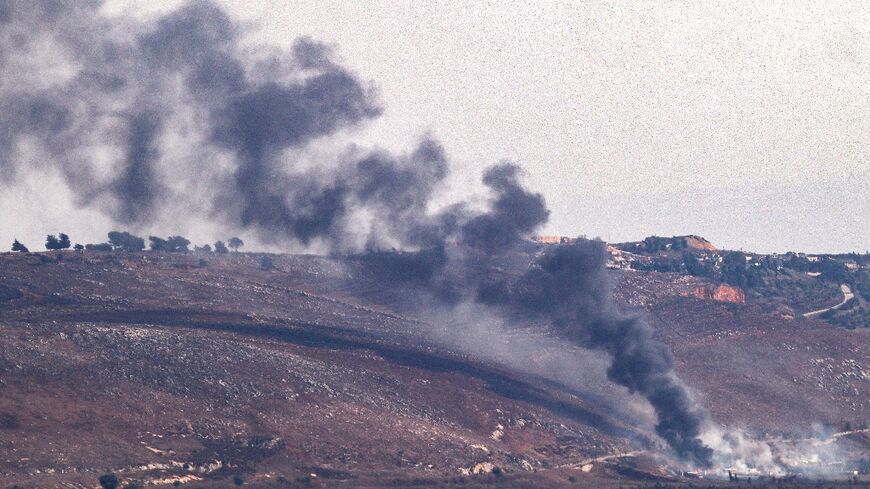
109 481
800 282
127 242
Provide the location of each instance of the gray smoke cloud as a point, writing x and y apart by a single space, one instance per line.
133 115
127 87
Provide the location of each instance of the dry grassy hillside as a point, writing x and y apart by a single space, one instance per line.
165 368
752 367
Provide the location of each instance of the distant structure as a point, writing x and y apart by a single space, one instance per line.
649 244
655 244
550 240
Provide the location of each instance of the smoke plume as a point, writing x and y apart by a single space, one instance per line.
570 287
137 116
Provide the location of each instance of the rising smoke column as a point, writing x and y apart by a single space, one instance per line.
132 115
513 215
568 284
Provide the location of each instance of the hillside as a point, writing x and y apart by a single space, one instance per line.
165 367
790 284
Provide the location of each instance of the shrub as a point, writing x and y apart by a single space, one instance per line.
98 247
238 480
9 421
109 481
17 246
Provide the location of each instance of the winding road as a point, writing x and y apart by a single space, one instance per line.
847 296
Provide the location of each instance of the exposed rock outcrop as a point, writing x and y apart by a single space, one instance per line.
699 243
721 293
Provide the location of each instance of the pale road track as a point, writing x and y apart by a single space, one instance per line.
847 296
604 458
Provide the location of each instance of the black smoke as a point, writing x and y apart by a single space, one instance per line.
137 115
568 285
137 181
513 215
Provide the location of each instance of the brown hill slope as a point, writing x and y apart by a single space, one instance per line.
160 368
753 368
143 363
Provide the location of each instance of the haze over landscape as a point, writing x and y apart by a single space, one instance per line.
415 300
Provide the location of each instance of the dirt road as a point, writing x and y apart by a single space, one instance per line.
847 296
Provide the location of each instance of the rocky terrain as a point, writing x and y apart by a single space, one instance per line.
790 284
213 370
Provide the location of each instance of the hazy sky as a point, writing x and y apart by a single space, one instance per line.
747 123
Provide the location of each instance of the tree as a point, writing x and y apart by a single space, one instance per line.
235 243
734 268
109 481
17 246
98 247
158 244
78 247
171 244
653 244
177 243
122 240
51 242
696 267
206 248
833 270
220 248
